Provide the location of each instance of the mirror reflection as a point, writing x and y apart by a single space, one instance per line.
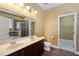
14 26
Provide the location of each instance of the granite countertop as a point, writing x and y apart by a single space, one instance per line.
20 43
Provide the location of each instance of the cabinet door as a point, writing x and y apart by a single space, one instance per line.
35 49
17 53
28 51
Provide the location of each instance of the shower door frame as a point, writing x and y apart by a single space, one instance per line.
74 30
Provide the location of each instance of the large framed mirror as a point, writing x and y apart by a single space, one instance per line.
13 25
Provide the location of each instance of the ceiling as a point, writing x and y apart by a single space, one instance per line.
46 6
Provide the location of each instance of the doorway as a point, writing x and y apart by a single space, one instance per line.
67 32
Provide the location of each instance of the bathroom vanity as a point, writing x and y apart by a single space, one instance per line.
35 49
17 35
25 46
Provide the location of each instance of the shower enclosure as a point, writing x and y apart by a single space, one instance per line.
68 36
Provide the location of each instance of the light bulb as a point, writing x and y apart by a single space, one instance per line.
28 7
35 11
32 10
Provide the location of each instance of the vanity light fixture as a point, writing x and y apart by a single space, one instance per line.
35 11
28 7
32 10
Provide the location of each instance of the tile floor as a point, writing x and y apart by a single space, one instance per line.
58 52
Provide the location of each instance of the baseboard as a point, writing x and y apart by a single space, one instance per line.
54 46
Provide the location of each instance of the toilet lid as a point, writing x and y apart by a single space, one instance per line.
47 43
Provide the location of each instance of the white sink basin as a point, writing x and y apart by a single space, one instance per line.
15 46
6 44
26 39
23 40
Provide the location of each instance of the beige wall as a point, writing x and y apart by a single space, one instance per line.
51 24
39 17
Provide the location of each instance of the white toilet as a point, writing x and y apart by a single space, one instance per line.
47 46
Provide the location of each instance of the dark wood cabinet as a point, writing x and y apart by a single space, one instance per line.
35 49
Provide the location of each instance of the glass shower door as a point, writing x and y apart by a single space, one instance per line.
77 37
31 27
66 32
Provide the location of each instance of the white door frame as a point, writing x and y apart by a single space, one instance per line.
74 36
